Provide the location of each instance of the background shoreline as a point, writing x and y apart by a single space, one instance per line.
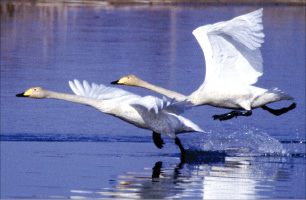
168 2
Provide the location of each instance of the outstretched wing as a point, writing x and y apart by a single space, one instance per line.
147 103
101 91
231 49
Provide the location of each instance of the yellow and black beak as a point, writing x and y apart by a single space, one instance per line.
121 81
26 93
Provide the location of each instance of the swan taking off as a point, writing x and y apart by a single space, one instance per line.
152 113
233 64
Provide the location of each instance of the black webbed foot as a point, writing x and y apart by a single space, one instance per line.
281 111
225 116
231 115
158 141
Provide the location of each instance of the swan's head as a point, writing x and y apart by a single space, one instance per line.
127 80
34 92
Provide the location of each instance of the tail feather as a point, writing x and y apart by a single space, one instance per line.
270 96
280 95
189 126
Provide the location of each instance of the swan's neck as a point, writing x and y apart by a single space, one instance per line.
163 91
104 106
98 104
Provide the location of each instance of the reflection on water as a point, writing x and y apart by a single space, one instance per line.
229 177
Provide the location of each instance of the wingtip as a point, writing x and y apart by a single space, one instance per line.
76 81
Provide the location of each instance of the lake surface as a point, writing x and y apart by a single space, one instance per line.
55 149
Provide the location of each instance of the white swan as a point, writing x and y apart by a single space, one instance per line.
233 63
152 113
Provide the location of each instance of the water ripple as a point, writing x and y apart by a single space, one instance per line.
293 148
71 138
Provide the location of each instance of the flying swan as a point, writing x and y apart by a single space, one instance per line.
233 64
149 112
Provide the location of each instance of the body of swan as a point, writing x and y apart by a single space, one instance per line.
233 64
159 115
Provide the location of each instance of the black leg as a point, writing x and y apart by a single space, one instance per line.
178 143
281 111
232 114
156 170
158 141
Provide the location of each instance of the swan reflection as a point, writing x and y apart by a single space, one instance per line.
206 176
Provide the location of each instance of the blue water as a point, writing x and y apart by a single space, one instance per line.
55 149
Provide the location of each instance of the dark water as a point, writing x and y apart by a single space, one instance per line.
55 149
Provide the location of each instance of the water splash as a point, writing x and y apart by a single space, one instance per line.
239 141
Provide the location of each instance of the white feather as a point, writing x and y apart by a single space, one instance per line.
231 49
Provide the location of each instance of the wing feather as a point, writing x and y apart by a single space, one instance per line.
231 49
73 88
101 91
86 87
80 88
